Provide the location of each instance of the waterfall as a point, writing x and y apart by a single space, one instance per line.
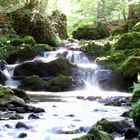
88 71
8 71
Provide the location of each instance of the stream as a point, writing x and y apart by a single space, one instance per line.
65 112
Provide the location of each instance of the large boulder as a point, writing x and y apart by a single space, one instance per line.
88 32
112 80
34 83
60 66
95 134
112 126
60 83
26 22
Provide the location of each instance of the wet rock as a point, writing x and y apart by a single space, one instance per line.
70 115
116 101
131 133
21 94
112 126
33 116
20 110
22 135
16 117
127 114
80 97
8 126
21 125
93 98
60 66
111 80
38 110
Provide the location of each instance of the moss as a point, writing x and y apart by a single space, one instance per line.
95 134
33 83
136 113
131 66
44 47
112 126
59 83
136 28
20 53
6 95
136 93
128 41
28 40
60 66
95 49
87 32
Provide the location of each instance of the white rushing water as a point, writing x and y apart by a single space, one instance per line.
63 111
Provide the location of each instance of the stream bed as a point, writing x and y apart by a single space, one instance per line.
66 117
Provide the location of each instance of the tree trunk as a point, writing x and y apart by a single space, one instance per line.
101 17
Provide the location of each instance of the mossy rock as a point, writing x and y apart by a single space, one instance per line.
128 41
95 49
88 32
131 66
44 47
20 53
112 126
21 94
60 66
136 28
60 83
136 93
136 113
25 40
34 83
7 96
95 134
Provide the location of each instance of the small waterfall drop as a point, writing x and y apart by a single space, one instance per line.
8 71
88 71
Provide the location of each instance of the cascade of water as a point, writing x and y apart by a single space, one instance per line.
8 71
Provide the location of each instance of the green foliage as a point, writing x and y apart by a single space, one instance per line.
136 28
128 41
136 93
131 66
136 113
